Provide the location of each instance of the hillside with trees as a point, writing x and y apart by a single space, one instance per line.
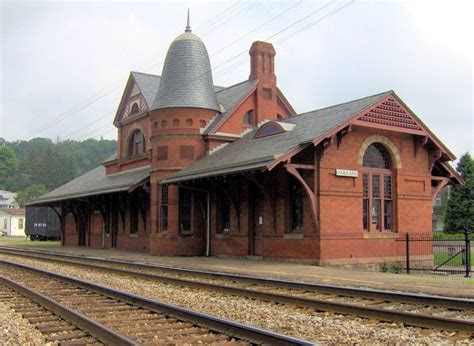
459 213
34 167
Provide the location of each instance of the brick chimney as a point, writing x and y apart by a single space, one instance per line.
262 68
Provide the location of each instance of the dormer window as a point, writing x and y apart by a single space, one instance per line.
249 118
136 145
269 129
135 109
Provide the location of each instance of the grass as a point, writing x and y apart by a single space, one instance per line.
441 257
23 242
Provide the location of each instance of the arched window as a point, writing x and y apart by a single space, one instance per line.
135 109
269 129
377 186
136 145
249 118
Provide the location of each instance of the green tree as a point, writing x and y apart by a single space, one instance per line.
29 193
8 169
459 214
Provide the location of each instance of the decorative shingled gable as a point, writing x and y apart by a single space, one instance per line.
389 114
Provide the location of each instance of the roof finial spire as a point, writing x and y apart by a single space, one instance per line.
188 24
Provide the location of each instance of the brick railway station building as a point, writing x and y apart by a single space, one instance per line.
234 171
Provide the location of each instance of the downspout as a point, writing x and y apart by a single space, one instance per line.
208 217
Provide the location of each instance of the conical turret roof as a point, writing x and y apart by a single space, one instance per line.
186 80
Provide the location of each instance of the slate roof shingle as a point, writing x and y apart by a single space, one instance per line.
229 98
187 76
148 85
95 182
249 153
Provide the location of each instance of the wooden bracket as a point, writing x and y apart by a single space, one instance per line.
442 182
341 134
311 193
435 155
269 199
234 203
419 142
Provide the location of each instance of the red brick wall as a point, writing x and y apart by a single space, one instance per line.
71 236
341 198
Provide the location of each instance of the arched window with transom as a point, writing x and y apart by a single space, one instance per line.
378 193
136 144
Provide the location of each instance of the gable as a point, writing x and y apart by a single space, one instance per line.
389 114
238 100
132 101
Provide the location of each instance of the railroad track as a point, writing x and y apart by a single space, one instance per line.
110 316
411 309
51 325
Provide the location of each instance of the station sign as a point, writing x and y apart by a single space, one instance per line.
347 173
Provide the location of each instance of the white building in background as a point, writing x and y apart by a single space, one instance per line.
12 222
7 199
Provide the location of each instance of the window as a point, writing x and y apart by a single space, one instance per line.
20 223
269 129
162 153
164 208
136 145
135 109
249 118
296 206
224 214
185 205
377 188
5 224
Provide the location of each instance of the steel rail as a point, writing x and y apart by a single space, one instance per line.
409 318
367 293
238 330
101 332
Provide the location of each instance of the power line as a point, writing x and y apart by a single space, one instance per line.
90 100
91 123
228 68
247 34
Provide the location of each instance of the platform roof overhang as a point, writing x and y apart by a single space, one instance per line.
311 129
95 182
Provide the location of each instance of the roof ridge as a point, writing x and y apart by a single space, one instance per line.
236 84
338 104
146 73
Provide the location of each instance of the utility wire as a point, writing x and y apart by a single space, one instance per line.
238 63
89 100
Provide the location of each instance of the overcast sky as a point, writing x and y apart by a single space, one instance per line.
64 65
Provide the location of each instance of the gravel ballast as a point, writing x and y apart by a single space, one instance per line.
319 327
15 330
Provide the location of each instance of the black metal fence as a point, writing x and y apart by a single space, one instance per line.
426 254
